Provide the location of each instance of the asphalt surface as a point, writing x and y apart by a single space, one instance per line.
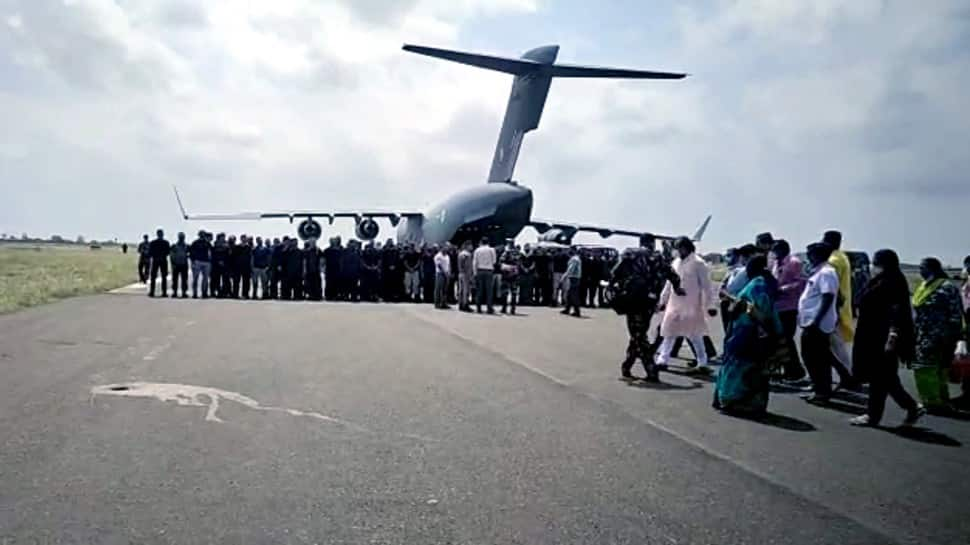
339 423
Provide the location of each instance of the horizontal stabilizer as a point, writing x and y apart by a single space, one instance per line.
576 71
489 62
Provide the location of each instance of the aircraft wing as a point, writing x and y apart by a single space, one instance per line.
605 232
393 215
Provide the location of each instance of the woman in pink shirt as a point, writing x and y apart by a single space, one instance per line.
790 273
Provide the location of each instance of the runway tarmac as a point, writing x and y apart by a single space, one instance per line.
130 420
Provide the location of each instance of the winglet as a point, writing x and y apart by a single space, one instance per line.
178 199
700 230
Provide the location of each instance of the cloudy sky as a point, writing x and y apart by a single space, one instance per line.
799 116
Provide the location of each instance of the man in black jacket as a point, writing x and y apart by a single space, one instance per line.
200 252
232 272
311 267
350 264
261 258
179 254
158 251
370 274
243 261
293 271
527 276
331 268
391 272
276 267
428 273
220 267
412 273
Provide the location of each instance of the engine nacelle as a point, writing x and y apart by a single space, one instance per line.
559 236
367 229
308 229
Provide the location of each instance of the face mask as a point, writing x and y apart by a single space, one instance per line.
876 270
925 275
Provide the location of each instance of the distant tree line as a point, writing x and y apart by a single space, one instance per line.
56 239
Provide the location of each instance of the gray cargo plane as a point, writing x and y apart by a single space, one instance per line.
500 209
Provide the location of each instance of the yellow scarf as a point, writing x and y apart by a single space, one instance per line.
924 290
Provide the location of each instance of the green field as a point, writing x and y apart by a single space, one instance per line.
36 274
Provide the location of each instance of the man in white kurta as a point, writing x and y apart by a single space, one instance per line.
687 316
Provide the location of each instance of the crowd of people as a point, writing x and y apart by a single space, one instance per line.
768 295
482 277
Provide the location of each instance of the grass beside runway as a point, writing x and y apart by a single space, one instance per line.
36 274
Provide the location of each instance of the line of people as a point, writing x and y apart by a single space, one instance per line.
769 294
250 268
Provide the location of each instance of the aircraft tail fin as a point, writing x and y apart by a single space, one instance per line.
533 75
699 234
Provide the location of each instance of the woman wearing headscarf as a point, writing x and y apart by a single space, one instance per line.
884 336
939 324
743 382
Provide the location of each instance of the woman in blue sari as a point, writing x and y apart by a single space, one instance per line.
743 382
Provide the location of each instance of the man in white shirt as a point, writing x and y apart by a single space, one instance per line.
483 261
442 273
571 278
817 317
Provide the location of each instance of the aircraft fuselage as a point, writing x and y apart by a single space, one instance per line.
498 211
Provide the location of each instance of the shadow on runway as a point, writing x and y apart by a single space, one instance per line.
776 421
924 435
952 414
663 386
779 387
841 406
687 372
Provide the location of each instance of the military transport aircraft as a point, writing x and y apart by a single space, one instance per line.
499 209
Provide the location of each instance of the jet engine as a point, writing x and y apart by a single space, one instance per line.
559 236
309 229
367 229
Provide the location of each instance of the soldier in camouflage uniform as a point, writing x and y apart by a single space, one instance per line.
642 275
